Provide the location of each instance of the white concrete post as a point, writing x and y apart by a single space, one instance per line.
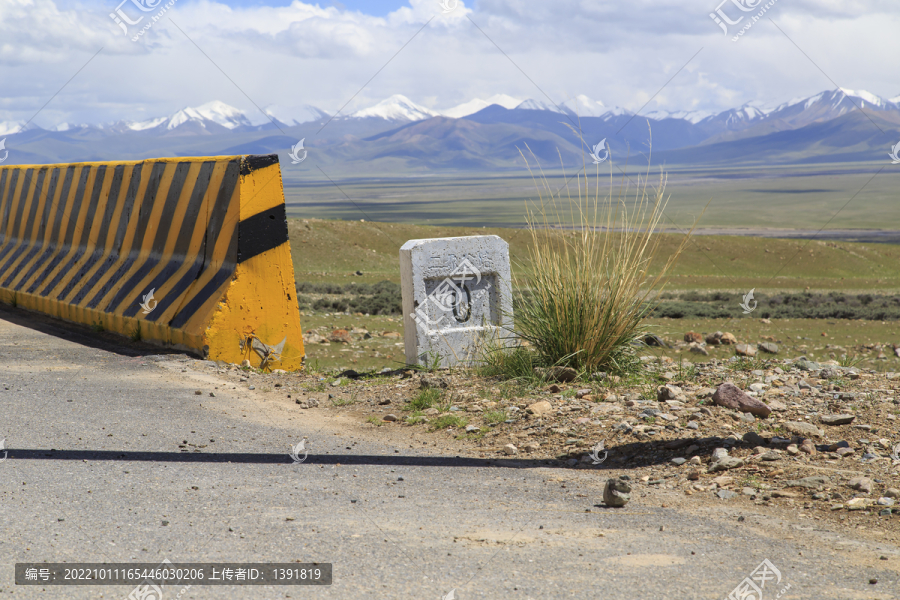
457 294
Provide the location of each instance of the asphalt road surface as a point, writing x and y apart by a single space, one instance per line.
112 457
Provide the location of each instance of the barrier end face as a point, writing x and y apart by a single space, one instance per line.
256 162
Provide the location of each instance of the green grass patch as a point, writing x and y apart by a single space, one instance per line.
447 421
424 400
495 417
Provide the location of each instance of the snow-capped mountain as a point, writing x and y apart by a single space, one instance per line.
290 117
10 127
473 106
583 106
395 108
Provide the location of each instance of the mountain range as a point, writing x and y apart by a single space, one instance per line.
398 136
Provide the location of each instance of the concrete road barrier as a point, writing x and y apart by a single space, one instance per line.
187 252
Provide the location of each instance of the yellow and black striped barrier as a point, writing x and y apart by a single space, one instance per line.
189 252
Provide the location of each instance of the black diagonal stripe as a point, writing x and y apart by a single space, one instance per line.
40 237
174 294
85 232
8 200
100 247
202 296
159 241
213 231
143 222
72 216
116 246
15 234
24 233
180 250
220 210
257 161
261 232
51 241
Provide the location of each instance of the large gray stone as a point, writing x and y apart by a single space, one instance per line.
731 396
837 419
456 297
616 493
803 429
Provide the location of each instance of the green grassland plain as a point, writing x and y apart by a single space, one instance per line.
334 251
829 196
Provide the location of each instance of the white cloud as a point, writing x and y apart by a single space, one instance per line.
620 54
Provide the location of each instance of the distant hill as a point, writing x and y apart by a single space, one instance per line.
397 135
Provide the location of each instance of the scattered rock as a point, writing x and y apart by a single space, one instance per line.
804 429
384 401
669 392
859 504
768 347
842 419
311 337
776 405
754 439
389 417
815 482
728 339
693 475
731 396
510 449
808 447
892 493
678 460
726 494
426 381
616 493
340 336
861 484
245 363
713 339
692 337
539 409
531 447
699 350
721 461
745 350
